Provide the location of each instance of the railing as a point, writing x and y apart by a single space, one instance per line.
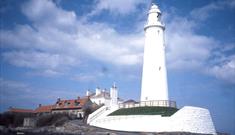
97 113
162 103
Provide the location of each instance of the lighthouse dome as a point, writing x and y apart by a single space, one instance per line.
154 9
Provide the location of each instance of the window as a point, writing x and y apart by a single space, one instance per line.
99 102
67 103
77 103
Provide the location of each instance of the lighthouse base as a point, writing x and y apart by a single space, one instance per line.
188 119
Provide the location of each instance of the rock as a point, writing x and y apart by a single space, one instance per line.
77 127
3 129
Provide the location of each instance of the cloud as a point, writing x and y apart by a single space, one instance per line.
185 48
188 50
50 48
9 89
46 13
105 44
84 78
117 7
12 87
57 40
39 60
225 70
204 12
27 95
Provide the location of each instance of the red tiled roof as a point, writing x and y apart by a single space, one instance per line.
62 104
45 108
19 110
70 104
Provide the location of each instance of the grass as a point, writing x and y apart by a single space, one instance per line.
147 110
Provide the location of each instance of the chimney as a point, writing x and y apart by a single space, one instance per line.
88 92
39 105
97 91
114 85
58 99
78 97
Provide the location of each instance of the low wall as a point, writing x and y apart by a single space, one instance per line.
193 119
187 119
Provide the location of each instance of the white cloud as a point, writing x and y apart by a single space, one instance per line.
105 44
9 86
117 7
57 40
185 48
38 60
45 12
225 70
46 73
84 78
204 12
26 93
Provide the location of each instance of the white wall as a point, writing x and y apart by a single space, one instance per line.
193 119
100 101
187 119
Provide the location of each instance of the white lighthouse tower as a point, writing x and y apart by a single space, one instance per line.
154 76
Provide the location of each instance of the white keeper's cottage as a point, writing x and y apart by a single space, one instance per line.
104 97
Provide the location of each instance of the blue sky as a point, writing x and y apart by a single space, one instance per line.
60 48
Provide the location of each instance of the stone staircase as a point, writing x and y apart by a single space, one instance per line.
99 114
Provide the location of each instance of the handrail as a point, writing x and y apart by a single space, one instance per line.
95 114
161 103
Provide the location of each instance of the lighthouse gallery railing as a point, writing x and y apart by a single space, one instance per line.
161 103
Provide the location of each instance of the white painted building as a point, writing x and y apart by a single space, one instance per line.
102 96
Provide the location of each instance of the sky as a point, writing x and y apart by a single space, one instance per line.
60 48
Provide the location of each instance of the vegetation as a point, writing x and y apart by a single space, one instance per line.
53 119
147 110
8 119
89 109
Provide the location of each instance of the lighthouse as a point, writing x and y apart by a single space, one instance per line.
154 76
160 114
